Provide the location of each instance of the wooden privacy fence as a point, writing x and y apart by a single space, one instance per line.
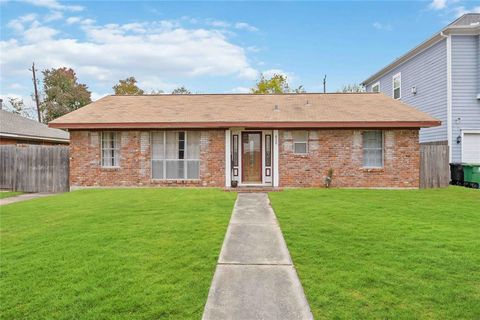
434 166
34 168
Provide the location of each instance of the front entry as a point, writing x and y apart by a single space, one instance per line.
252 157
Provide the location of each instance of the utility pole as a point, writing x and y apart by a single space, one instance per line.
37 100
325 84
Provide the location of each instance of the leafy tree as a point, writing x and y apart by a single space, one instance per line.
300 89
16 105
181 90
127 86
276 84
63 93
354 88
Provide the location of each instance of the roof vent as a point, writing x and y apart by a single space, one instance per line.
307 104
276 108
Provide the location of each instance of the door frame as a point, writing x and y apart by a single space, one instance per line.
260 133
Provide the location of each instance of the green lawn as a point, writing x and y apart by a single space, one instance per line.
112 254
8 194
385 254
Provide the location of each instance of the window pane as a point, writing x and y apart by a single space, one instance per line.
193 145
300 136
171 148
193 169
157 145
157 169
175 169
372 149
376 88
396 93
300 147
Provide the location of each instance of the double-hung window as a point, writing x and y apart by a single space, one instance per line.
376 87
300 142
397 86
175 155
373 149
110 149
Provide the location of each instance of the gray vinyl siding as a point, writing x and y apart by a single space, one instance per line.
426 71
465 87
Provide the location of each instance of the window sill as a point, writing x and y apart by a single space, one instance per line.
177 181
110 168
301 155
372 169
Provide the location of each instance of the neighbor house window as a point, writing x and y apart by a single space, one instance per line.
176 155
373 149
110 149
300 142
397 86
376 87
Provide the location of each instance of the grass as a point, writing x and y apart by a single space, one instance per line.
8 194
112 254
385 254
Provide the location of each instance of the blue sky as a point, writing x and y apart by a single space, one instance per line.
212 46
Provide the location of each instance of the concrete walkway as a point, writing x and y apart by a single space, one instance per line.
255 277
24 197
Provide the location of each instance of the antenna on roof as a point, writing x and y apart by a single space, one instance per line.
325 84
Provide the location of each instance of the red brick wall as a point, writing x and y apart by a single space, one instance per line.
342 151
135 163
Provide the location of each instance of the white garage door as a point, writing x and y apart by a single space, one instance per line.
471 148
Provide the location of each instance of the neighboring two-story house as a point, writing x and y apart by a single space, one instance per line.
441 76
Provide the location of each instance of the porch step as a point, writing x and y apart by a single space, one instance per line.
253 189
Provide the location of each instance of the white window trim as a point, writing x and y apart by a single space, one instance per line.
296 142
383 152
117 135
164 168
376 84
395 76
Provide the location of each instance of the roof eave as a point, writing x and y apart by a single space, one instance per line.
250 124
31 137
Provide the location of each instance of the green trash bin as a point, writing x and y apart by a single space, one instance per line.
471 175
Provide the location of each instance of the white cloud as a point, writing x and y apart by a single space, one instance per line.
95 95
381 26
245 26
73 20
19 24
438 4
38 34
241 90
54 5
53 16
271 72
218 23
151 51
461 10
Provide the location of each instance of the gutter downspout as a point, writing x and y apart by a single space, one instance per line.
449 94
478 69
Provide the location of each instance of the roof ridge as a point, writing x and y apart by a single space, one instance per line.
239 94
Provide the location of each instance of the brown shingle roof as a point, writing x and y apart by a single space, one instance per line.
246 110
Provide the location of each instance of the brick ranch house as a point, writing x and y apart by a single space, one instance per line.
214 140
